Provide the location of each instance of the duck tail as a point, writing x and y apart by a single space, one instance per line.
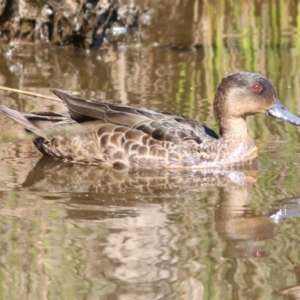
21 119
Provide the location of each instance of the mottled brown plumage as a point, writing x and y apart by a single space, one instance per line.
129 137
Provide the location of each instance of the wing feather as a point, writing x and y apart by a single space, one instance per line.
159 125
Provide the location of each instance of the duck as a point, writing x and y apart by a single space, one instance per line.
120 136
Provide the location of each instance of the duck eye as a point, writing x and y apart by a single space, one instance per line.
256 87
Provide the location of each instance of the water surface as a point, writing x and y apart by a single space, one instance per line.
77 232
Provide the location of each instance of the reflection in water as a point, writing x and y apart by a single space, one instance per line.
240 227
293 292
137 221
134 235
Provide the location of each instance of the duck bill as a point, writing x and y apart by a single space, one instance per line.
280 112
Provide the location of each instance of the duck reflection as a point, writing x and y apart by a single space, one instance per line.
151 230
105 194
235 223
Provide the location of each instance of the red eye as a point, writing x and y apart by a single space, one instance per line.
256 87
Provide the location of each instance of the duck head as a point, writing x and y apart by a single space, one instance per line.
243 94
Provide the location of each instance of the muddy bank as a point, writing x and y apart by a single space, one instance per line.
83 23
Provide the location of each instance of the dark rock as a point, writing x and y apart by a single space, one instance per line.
82 23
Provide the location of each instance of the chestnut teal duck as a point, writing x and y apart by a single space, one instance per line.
121 136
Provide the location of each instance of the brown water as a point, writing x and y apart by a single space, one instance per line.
78 232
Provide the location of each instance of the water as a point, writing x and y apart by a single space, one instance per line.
77 232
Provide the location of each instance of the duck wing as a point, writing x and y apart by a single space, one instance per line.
159 125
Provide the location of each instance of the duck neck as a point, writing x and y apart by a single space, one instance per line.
234 129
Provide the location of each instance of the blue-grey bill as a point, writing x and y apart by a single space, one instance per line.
280 112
